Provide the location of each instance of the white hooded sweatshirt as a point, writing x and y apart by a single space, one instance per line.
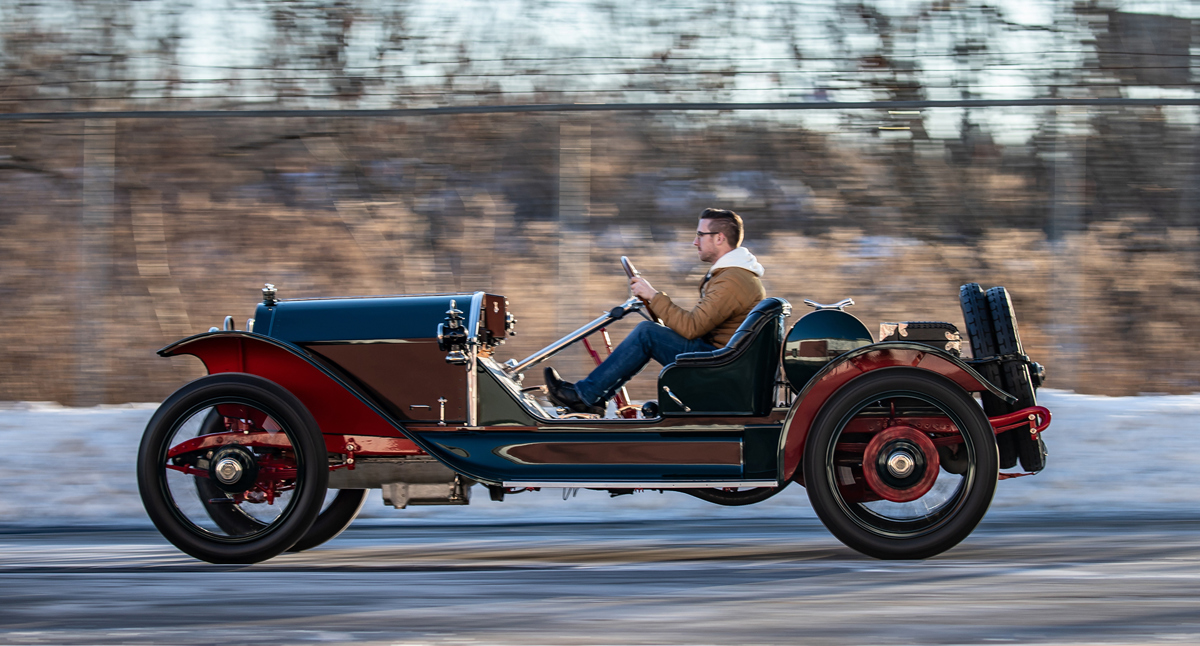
740 257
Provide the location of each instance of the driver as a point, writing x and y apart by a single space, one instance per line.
730 289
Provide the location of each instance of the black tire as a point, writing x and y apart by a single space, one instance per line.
1016 377
977 315
916 529
735 498
334 519
168 493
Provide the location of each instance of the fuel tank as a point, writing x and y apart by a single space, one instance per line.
371 319
816 339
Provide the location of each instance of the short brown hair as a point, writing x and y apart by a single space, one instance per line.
726 222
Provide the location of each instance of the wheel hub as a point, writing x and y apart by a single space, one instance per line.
900 464
233 469
228 471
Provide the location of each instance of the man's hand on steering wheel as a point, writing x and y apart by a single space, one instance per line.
642 288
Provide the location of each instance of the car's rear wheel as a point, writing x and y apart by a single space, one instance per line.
977 315
340 509
873 469
266 466
1016 378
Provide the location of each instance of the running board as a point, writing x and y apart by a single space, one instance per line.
688 484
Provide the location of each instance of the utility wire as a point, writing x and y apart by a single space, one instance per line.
589 107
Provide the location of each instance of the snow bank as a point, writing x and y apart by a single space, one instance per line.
75 466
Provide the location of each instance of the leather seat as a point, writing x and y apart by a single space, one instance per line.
738 379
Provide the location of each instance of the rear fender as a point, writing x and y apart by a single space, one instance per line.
342 411
855 363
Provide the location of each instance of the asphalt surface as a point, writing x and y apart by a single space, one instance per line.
1029 580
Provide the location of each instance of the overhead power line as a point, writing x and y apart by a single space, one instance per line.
590 107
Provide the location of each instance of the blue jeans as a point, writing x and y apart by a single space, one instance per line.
647 341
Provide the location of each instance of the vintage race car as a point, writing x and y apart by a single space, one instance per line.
899 441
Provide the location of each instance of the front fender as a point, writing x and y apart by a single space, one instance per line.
341 409
845 368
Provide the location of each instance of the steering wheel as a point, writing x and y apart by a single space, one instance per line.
632 271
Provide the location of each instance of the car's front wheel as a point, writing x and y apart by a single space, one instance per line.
873 469
239 490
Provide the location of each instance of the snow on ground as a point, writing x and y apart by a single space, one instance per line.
75 466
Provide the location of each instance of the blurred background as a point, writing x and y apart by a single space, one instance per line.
121 231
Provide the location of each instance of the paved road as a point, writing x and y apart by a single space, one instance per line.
1042 580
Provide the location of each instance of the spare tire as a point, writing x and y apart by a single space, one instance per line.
1016 377
977 316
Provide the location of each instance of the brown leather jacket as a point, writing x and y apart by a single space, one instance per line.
725 300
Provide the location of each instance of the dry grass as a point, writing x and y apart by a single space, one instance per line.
205 213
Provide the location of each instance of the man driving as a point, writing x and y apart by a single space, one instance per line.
730 289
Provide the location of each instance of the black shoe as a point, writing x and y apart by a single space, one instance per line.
563 394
